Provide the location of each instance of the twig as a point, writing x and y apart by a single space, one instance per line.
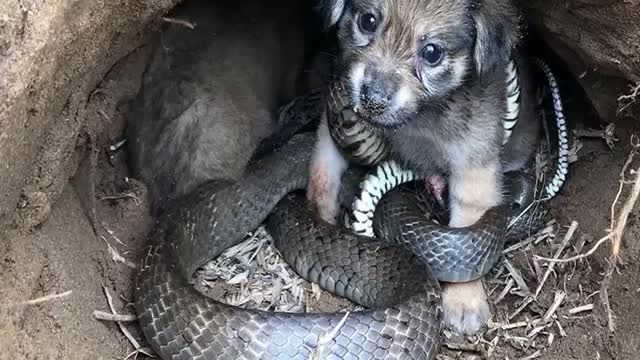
115 255
525 303
464 347
184 23
104 114
504 291
515 274
117 146
616 231
621 222
533 333
559 298
604 294
629 98
560 329
635 90
584 238
127 195
47 298
563 245
618 226
124 330
589 133
537 269
101 315
580 309
325 339
535 355
510 326
94 152
525 211
518 245
550 339
579 256
607 134
144 350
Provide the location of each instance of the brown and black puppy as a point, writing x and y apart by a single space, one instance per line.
209 94
432 74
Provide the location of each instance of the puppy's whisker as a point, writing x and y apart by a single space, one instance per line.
326 53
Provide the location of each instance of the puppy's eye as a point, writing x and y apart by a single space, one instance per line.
433 54
368 23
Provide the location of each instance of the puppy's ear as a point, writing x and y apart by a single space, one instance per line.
497 25
330 11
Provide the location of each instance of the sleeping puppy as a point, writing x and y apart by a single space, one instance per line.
432 75
210 94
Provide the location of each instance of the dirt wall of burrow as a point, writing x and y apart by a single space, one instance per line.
53 54
599 40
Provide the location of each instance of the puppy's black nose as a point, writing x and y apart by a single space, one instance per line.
377 92
374 97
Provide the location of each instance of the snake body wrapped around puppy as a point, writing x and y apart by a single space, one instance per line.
397 284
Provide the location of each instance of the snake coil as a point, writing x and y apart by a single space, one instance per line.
403 319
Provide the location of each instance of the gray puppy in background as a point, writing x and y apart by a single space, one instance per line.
210 94
432 75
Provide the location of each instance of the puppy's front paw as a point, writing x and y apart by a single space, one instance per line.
322 193
466 308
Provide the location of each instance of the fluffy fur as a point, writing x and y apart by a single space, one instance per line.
443 118
209 94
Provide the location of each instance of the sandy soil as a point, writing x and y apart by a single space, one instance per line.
65 254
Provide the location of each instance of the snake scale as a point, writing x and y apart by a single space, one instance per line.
397 284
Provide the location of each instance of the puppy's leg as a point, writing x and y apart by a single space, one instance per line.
325 173
472 192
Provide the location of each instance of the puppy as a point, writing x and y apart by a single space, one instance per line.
432 74
209 94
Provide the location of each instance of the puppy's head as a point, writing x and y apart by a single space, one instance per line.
398 55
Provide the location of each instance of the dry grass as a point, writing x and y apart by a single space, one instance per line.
253 275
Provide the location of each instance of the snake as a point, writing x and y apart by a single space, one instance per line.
394 275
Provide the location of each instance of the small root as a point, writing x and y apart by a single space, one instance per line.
47 298
627 100
185 23
616 229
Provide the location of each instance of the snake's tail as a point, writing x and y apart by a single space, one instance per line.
562 167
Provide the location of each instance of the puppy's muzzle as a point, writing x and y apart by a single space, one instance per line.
376 93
